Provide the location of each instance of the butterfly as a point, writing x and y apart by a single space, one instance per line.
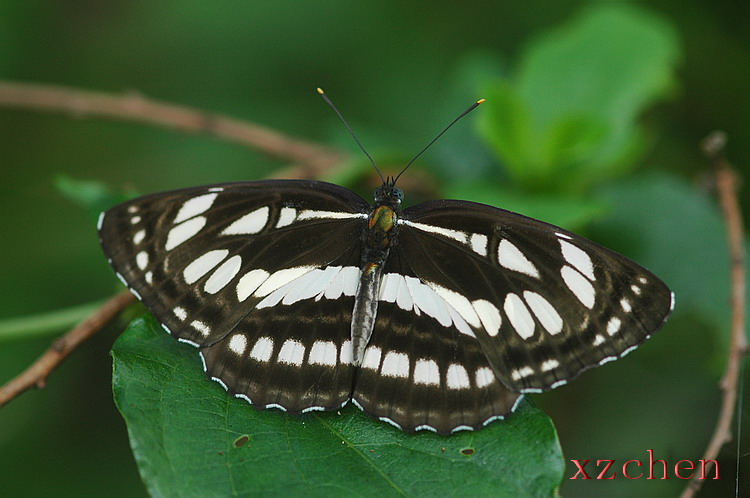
301 295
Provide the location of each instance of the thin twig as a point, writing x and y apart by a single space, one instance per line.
43 324
36 375
135 107
313 159
726 185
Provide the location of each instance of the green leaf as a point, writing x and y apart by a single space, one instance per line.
190 438
92 195
572 111
505 123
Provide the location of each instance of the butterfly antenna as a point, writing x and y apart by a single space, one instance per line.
467 111
341 117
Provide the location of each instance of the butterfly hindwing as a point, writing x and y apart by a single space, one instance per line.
544 304
417 374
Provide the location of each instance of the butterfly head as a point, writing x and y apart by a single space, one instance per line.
389 194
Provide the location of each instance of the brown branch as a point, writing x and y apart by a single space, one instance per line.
135 107
312 161
36 374
726 184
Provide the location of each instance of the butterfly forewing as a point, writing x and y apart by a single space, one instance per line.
215 265
544 304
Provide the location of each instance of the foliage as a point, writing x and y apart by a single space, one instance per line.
577 109
191 439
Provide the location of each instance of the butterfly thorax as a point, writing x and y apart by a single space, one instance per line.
379 238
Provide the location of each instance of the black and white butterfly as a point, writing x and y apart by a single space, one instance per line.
301 295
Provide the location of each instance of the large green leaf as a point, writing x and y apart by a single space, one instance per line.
190 438
570 116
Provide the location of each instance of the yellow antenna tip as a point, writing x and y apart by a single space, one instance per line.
320 90
480 101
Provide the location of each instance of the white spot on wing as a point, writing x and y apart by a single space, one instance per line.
262 349
280 278
395 365
389 285
521 373
141 259
313 409
636 290
563 236
345 282
519 316
510 257
310 284
613 326
202 265
149 277
139 236
345 355
182 232
286 217
403 296
425 427
578 258
394 424
194 207
428 301
220 382
135 220
200 327
180 312
598 340
625 305
121 279
292 352
579 286
249 283
550 365
243 396
478 243
456 377
223 275
249 224
544 312
238 344
489 315
456 235
275 405
323 353
100 220
484 377
371 358
426 372
312 214
459 303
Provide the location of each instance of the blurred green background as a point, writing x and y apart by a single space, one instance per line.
626 172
